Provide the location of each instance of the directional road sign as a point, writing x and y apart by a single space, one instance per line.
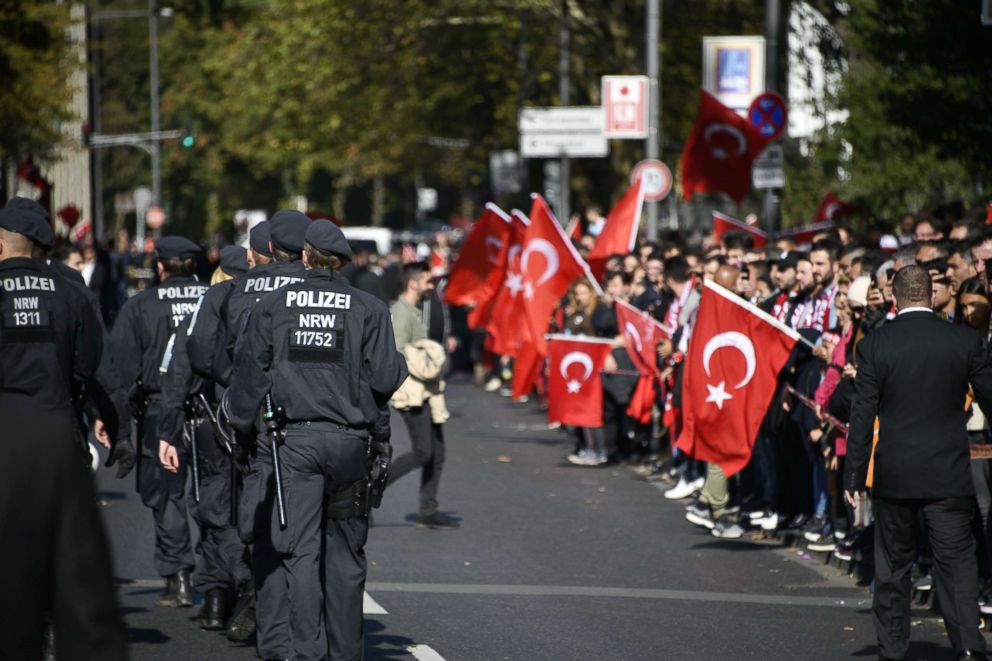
566 119
563 145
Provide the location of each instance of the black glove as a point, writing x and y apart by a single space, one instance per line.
240 456
122 453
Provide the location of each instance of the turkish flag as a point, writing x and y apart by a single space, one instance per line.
620 231
723 223
480 266
641 334
731 370
832 209
803 236
526 370
575 390
503 315
719 151
549 265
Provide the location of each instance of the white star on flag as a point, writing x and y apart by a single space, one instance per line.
573 386
515 282
718 394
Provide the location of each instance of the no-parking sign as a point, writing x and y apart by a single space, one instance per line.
769 115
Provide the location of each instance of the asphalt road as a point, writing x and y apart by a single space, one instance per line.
551 562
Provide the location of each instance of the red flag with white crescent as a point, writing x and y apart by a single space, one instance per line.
549 264
503 315
731 371
575 390
641 334
480 266
620 231
719 151
833 209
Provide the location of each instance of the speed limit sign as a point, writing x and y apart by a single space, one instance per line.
657 179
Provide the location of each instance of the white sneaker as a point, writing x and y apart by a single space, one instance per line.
493 384
681 490
767 523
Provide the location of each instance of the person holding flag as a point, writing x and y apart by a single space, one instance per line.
734 357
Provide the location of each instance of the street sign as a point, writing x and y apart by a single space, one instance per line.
768 114
563 145
768 170
657 179
565 119
155 217
734 70
625 105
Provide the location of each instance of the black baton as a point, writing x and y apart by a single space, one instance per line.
272 429
190 426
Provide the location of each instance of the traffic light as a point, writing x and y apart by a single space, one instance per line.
189 139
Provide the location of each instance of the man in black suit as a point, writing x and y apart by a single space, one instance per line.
913 374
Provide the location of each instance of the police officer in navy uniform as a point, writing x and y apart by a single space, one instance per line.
324 353
140 335
102 401
207 344
276 248
54 556
188 403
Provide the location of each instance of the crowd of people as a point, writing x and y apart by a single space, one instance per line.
835 290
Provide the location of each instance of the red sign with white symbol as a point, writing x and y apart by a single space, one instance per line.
657 179
625 105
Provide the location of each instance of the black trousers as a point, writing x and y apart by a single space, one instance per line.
955 571
222 556
345 568
427 454
165 494
54 557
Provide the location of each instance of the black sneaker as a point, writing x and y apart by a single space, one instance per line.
826 543
436 521
818 530
924 583
796 523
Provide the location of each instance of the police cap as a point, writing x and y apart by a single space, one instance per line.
234 260
259 237
327 237
176 247
288 230
27 217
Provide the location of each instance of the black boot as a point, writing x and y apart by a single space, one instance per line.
214 610
178 593
242 624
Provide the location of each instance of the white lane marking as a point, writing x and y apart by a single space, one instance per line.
371 607
424 653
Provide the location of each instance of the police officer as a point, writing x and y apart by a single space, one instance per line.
141 334
187 406
324 352
276 248
51 344
102 401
